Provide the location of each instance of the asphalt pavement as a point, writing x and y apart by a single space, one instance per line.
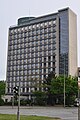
67 113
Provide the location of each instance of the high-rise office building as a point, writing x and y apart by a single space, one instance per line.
38 46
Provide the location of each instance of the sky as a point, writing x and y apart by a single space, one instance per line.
11 10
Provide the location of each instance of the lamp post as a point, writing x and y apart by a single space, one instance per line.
64 80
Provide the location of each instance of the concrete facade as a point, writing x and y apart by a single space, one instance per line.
72 43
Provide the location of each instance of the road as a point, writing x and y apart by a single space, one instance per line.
68 113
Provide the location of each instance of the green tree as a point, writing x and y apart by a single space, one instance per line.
47 88
40 98
71 88
2 88
2 91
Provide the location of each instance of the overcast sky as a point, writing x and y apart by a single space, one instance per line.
11 10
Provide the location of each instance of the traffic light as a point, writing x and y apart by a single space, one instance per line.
16 90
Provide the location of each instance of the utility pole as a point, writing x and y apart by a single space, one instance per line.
79 97
64 80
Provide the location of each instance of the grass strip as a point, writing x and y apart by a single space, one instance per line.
24 117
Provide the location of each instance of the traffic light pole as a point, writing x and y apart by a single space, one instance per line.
18 112
17 93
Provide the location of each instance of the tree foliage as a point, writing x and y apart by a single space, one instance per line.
57 85
54 90
57 88
40 98
2 88
2 91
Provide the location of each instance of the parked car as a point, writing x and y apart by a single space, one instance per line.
77 102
